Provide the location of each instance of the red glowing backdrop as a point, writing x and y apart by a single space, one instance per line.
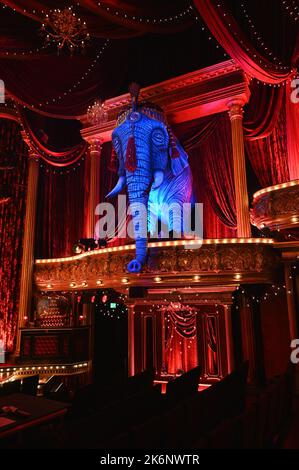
13 179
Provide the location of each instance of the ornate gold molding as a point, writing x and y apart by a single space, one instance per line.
200 93
213 263
276 207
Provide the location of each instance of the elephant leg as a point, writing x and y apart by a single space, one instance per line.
172 219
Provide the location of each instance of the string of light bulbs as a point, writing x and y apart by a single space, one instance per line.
292 9
139 19
77 83
262 61
257 35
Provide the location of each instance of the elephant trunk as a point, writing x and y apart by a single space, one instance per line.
138 210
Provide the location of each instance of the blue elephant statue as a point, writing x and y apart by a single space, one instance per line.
155 169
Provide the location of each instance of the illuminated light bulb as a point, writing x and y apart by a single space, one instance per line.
157 279
72 284
237 276
99 282
125 280
49 286
196 278
84 283
294 219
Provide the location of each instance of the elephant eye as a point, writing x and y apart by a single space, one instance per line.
158 137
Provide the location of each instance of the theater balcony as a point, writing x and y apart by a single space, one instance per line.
276 207
170 263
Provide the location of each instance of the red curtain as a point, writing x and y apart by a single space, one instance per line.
205 141
263 110
60 215
61 158
265 134
269 155
62 204
12 215
63 86
181 339
292 120
229 35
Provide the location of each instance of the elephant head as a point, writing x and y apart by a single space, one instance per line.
149 157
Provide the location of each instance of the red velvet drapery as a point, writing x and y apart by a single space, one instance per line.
228 33
205 141
64 86
11 228
51 156
265 134
60 215
231 37
180 339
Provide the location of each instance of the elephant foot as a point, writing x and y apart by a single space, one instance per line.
134 266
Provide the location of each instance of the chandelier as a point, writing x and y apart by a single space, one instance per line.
97 114
65 29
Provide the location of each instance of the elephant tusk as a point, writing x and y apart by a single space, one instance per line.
158 179
118 187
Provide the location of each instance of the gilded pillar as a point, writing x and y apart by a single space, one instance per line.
252 343
291 301
95 147
131 338
242 204
229 338
28 244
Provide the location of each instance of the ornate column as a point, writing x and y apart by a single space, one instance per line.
131 345
95 147
291 300
242 205
229 338
252 340
28 243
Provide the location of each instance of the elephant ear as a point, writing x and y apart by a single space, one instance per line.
179 163
178 156
117 154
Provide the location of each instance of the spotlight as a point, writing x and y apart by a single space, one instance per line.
78 248
101 243
88 243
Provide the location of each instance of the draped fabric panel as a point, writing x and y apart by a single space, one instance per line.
51 156
268 155
263 110
292 127
60 213
63 86
103 21
229 35
208 143
181 339
218 171
12 215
